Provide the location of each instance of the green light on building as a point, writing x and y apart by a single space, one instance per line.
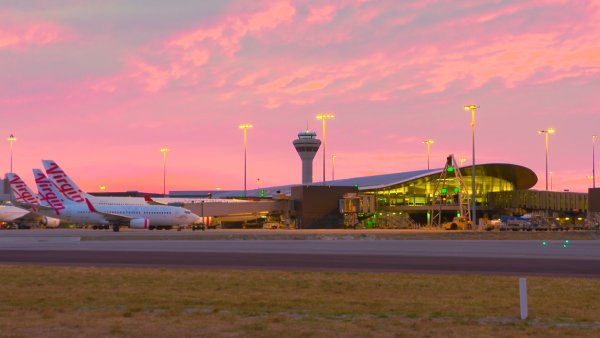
262 192
450 169
456 190
444 190
356 185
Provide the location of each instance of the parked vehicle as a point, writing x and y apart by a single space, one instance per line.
458 223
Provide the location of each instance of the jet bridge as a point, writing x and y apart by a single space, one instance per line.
224 210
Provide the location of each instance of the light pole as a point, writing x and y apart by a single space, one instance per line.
164 151
324 117
429 143
245 128
594 137
11 140
333 167
546 132
472 108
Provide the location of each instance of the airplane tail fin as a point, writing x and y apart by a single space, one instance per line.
20 192
90 206
49 192
64 183
150 201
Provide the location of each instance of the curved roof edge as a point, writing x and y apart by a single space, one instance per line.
522 177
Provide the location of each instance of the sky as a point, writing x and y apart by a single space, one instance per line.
101 85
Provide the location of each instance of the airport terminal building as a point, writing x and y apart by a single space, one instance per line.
404 199
396 200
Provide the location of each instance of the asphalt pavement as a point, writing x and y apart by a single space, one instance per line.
513 257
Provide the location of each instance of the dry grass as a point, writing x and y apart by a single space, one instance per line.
116 302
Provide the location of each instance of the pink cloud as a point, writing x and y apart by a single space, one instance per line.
187 40
230 30
7 39
517 58
309 86
151 76
104 86
321 14
272 103
369 14
250 79
197 57
31 34
192 50
274 16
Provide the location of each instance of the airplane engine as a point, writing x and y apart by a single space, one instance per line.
204 220
139 223
50 222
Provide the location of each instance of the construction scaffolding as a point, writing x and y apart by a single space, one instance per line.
440 193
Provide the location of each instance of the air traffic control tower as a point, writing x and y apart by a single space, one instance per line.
307 146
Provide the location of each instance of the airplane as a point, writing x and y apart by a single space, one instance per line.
202 223
72 191
135 216
24 196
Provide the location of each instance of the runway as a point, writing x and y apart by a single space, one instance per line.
309 262
514 257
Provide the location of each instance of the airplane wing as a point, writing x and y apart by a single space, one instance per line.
108 215
150 201
9 213
32 207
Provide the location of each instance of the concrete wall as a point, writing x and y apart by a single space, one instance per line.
594 200
318 206
4 190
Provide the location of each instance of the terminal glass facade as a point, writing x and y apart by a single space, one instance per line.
419 192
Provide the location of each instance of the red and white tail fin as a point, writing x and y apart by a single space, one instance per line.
64 184
20 191
90 206
49 192
150 201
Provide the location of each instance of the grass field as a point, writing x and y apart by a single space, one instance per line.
118 302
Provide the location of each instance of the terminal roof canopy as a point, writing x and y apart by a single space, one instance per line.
521 178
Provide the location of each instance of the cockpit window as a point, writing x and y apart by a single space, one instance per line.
187 212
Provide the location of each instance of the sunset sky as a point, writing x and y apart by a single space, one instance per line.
101 85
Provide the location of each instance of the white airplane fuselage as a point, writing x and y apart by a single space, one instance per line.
156 215
135 216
